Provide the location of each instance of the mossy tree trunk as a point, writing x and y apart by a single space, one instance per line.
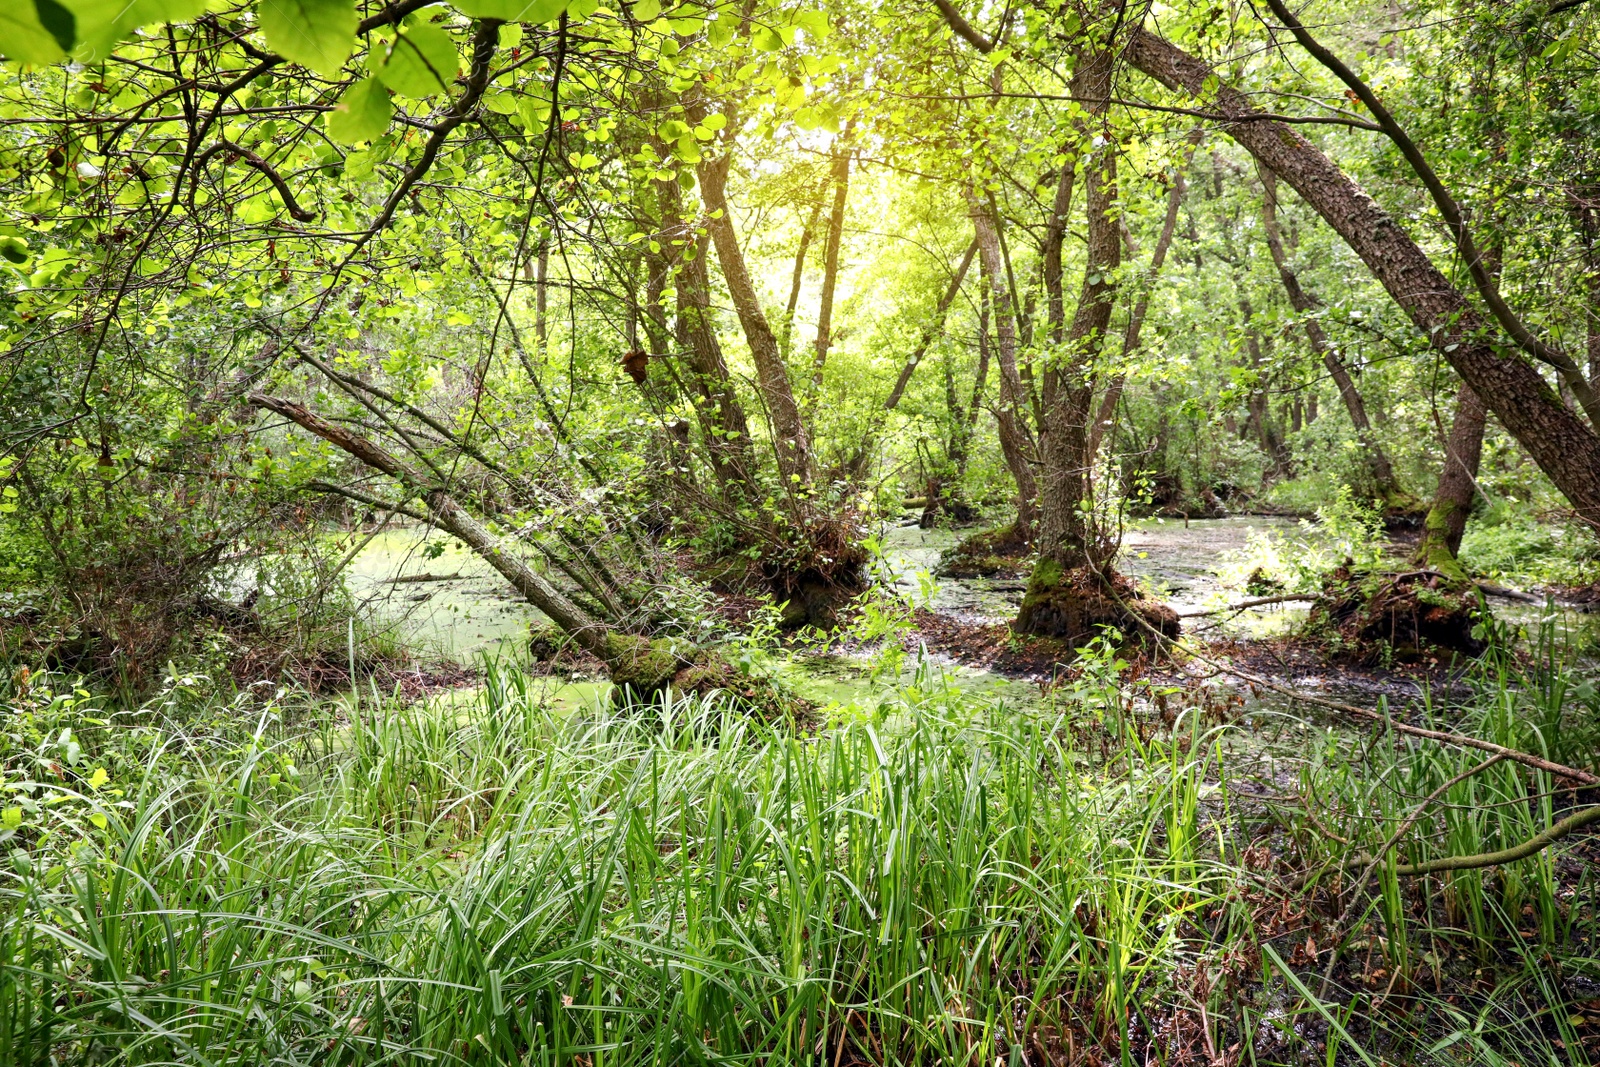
1074 589
1452 502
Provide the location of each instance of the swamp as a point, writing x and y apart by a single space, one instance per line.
1002 533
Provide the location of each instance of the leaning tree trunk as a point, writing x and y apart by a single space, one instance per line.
840 172
790 439
930 333
1379 469
1562 444
798 277
637 664
724 427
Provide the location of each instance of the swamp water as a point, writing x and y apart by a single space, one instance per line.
463 610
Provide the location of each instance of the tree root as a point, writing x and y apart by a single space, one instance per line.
1000 550
1076 605
1404 617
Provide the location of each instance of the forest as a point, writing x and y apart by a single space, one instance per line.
618 532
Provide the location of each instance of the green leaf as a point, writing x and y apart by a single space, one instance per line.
314 33
501 103
815 23
766 40
15 250
672 129
420 62
536 12
714 121
362 112
85 28
646 10
31 36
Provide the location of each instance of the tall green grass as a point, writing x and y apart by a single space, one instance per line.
486 880
496 877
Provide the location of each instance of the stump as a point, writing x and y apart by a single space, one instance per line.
1406 617
1075 605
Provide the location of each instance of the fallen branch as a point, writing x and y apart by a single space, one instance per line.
408 578
1243 604
1532 846
1490 589
1527 759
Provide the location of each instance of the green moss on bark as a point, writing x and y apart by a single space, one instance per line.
1076 604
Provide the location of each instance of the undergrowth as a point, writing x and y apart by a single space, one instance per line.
493 876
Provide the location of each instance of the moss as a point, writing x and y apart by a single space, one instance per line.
1047 575
644 666
1435 549
546 642
1001 550
1077 604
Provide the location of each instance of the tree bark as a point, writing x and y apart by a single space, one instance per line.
723 423
1452 501
830 264
1141 307
1015 442
1563 445
790 441
1067 530
1379 469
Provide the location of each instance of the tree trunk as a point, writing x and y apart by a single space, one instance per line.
1158 256
541 295
1563 445
806 233
932 330
1015 441
830 264
966 422
1260 422
1379 469
723 424
1068 535
1074 591
790 441
1452 501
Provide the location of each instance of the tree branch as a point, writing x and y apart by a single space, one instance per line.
1455 221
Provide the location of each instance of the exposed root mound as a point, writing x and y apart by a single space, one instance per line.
998 552
813 597
642 669
818 568
1075 605
1379 618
